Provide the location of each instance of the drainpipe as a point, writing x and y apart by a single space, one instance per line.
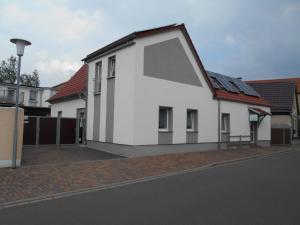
219 125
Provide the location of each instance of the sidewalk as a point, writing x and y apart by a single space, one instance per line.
41 180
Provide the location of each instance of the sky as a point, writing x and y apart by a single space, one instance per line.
250 39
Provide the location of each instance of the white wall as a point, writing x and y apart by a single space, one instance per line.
239 120
138 97
124 96
43 94
68 108
152 93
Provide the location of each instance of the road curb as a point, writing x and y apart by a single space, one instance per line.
133 181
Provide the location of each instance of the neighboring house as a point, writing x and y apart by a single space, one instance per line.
282 94
58 86
148 93
32 99
70 100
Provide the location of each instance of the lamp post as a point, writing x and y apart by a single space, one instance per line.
20 44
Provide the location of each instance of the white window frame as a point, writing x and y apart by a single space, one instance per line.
168 115
36 96
111 73
226 127
193 114
98 77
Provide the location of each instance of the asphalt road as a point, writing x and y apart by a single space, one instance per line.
262 191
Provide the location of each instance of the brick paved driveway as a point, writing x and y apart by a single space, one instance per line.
40 180
33 155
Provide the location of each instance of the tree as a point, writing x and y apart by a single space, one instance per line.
8 70
30 79
8 74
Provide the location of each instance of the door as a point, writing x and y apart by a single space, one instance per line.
253 132
81 125
225 127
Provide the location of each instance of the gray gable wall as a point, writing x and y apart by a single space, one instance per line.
168 60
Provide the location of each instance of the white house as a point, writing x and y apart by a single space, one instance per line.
32 99
69 101
148 93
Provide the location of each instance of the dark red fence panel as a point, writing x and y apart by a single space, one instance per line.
67 131
47 131
29 134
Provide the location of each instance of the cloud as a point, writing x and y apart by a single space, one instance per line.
243 38
229 40
53 19
55 70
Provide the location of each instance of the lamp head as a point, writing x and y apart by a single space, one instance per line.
20 43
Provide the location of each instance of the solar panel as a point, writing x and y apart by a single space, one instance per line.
215 83
227 85
245 88
231 84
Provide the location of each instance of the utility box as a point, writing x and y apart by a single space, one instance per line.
7 123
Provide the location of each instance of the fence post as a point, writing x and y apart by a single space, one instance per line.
240 140
58 130
77 131
37 132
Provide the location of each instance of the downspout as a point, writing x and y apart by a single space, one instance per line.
219 125
85 111
85 114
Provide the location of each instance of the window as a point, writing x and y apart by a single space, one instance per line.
59 114
191 120
165 119
111 67
11 92
33 95
98 77
21 97
225 123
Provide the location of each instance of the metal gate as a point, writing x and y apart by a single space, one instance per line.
40 130
281 136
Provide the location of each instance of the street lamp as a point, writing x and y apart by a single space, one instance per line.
20 44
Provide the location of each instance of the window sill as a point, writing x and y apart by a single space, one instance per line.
108 78
165 131
192 131
97 93
34 101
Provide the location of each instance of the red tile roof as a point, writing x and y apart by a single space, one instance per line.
239 97
295 80
59 86
73 87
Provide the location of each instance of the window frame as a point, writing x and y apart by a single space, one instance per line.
36 95
98 78
109 73
193 113
225 125
167 128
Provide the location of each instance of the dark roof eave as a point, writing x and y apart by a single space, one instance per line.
241 101
66 98
114 44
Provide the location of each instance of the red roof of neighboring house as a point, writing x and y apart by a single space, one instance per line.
59 86
240 97
73 87
295 80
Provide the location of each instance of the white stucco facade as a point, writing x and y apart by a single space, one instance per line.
42 95
137 99
68 108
